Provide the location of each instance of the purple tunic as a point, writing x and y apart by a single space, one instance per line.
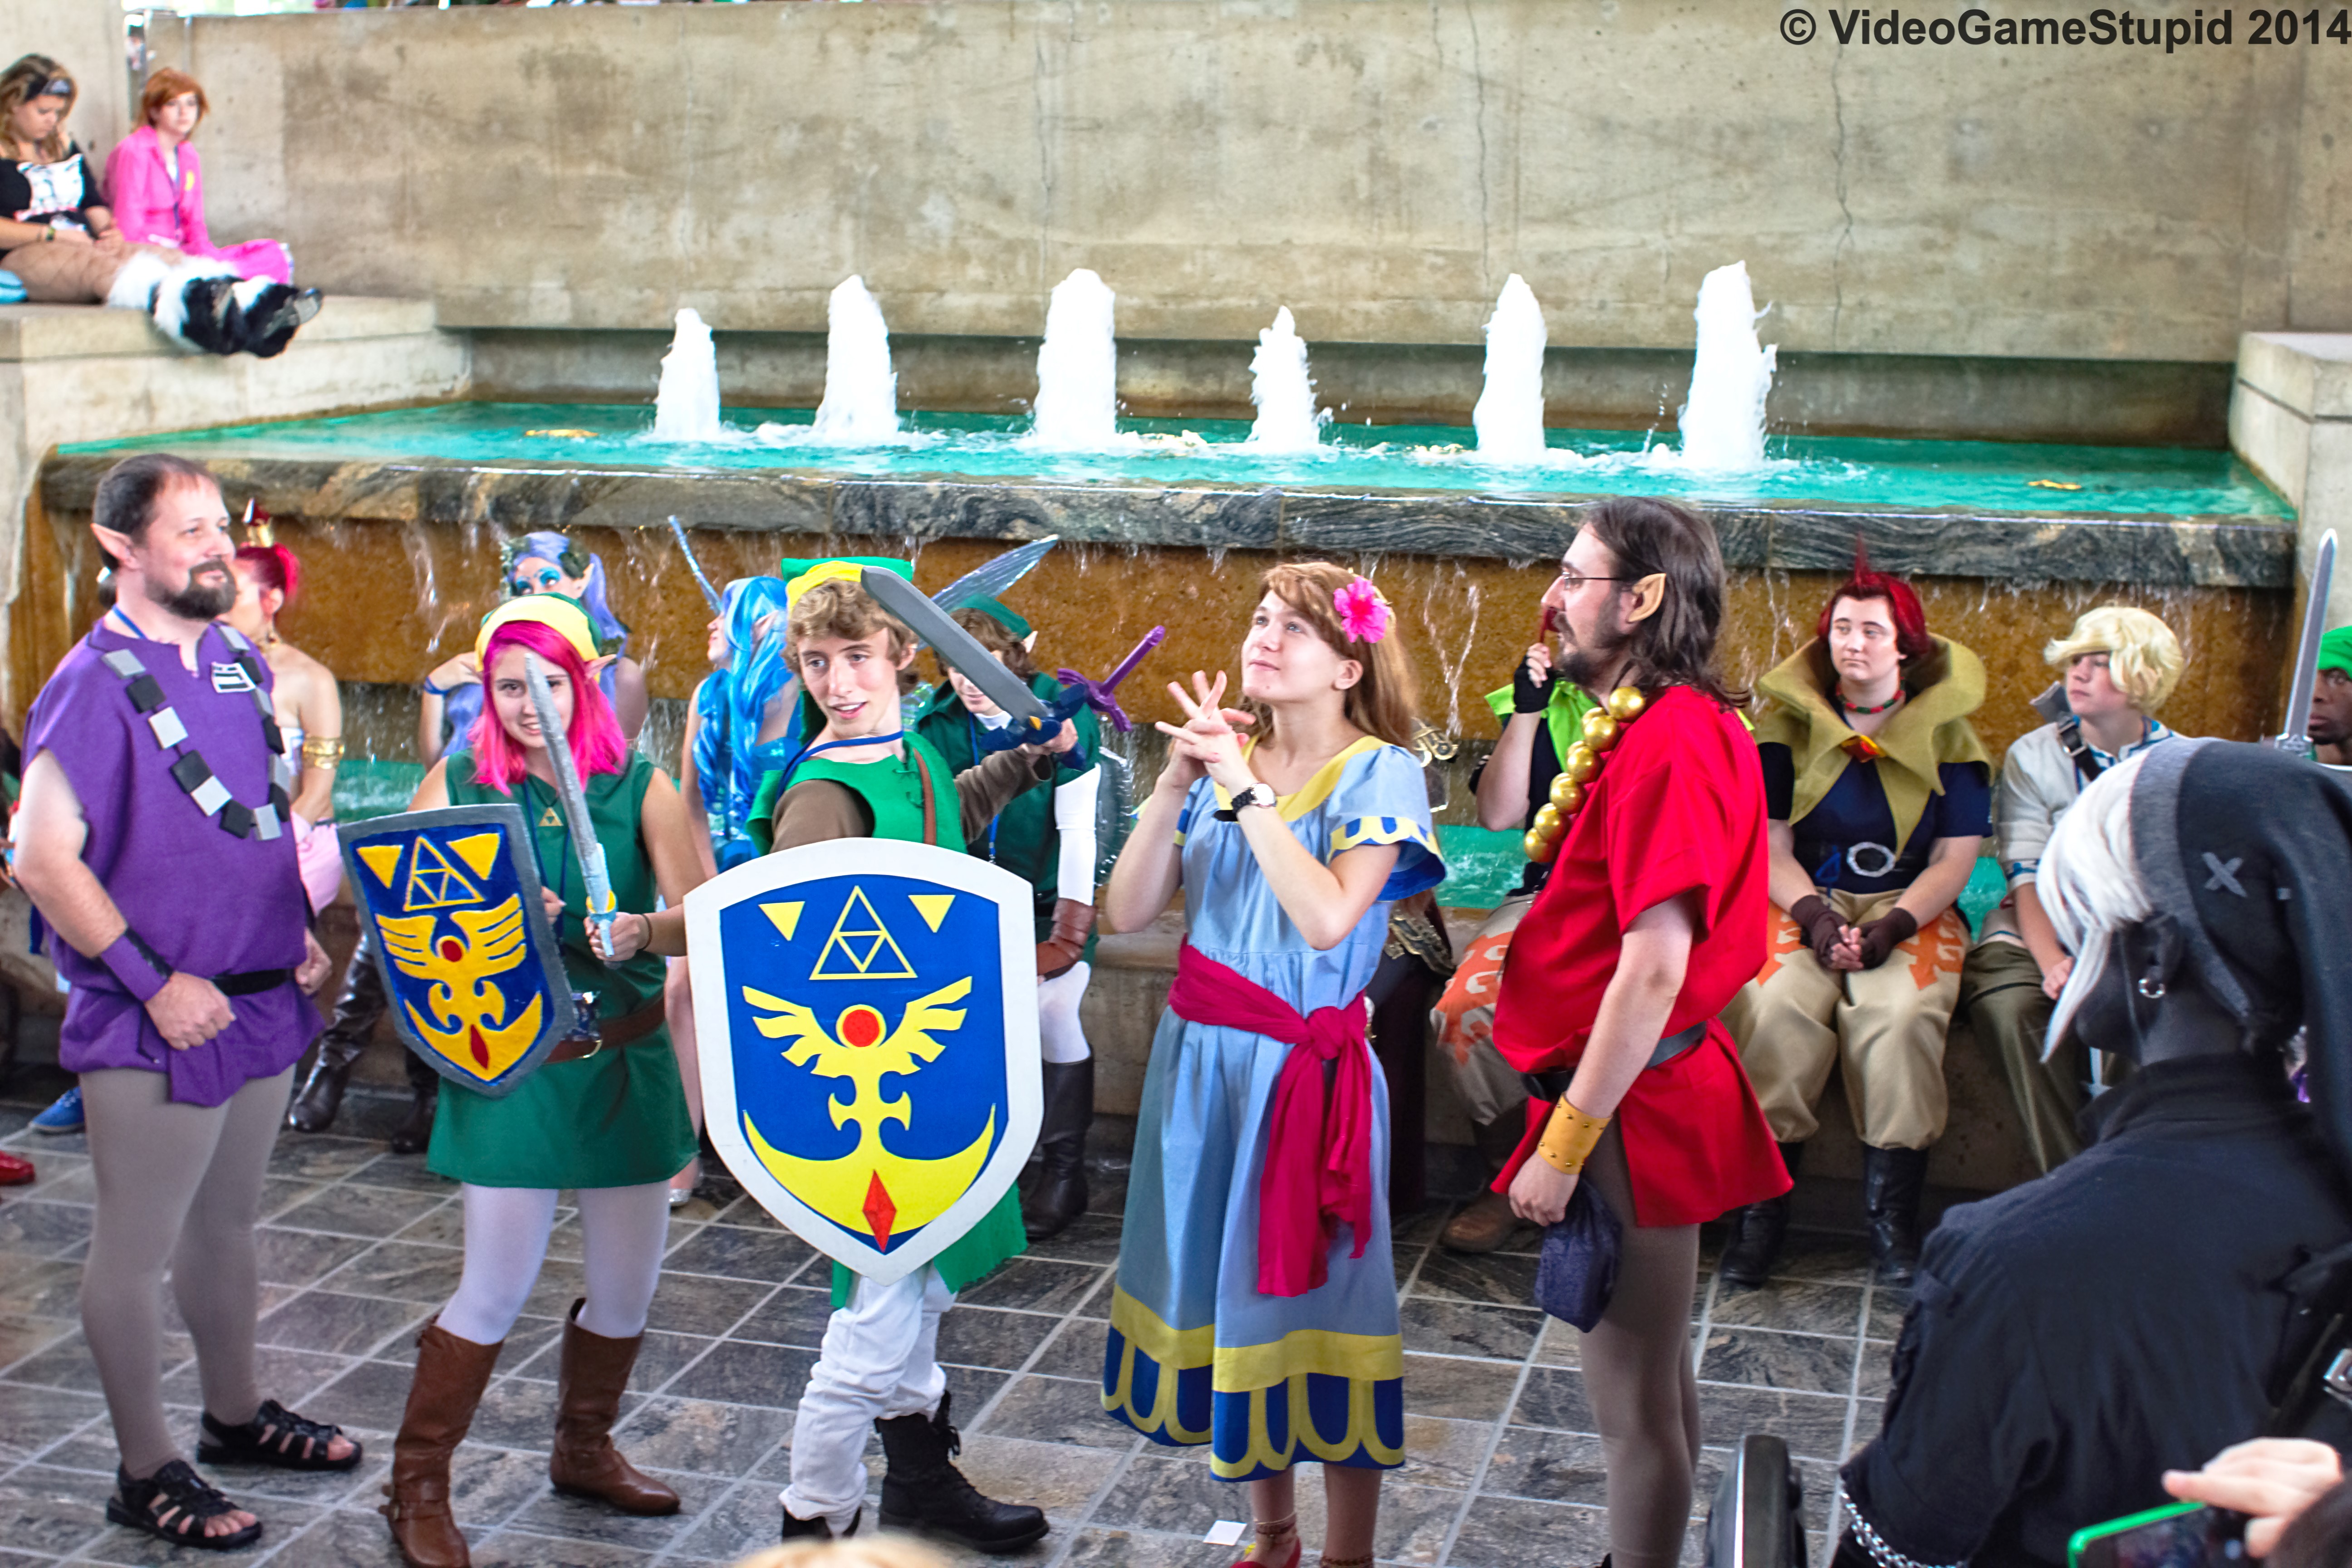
210 903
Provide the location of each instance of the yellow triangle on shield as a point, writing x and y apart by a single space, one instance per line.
433 883
867 950
932 906
787 917
480 850
381 859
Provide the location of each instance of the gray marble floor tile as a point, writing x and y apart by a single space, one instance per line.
401 1269
442 1226
66 1363
1038 1285
1813 1364
1501 1279
1466 1328
52 1512
1873 1374
520 1413
744 1518
585 1518
1813 1425
1415 1520
1514 1532
1887 1305
1554 1396
1443 1453
369 1396
405 1171
22 1338
33 1418
1458 1390
1078 1350
1823 1258
37 1229
983 1336
560 1282
341 1325
1049 1410
1060 1478
660 1357
516 1549
1101 1548
1090 1238
352 1537
1551 1466
304 1256
321 1156
797 1314
711 1307
289 1376
346 1208
747 1212
1172 1491
41 1290
1795 1304
708 1438
769 1256
745 1374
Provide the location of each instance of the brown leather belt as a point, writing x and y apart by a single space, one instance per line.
611 1034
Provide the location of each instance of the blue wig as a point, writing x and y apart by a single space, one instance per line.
757 675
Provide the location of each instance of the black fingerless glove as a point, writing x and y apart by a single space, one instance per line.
1881 936
1821 925
1527 695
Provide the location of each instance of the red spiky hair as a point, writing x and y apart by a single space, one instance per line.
1911 639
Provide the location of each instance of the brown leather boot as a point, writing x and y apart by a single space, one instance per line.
1486 1221
594 1371
451 1374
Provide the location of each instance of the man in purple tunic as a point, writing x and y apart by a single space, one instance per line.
152 836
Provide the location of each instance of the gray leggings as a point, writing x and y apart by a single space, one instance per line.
177 1185
1637 1370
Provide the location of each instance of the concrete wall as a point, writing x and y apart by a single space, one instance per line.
1379 166
86 37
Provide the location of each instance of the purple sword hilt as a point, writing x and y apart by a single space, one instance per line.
1100 695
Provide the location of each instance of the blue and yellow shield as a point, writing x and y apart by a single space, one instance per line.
450 899
867 1012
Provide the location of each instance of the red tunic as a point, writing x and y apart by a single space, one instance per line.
1677 807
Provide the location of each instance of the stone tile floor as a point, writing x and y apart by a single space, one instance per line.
359 1246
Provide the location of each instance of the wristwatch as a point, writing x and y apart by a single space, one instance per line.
1259 794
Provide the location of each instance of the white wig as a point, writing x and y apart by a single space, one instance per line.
2090 885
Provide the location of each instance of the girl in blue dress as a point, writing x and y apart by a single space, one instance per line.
1256 1305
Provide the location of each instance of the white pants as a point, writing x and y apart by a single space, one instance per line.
880 1360
1061 1038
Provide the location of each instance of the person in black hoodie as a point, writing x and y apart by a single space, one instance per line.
2150 1301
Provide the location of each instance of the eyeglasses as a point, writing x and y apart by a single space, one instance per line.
1572 580
521 584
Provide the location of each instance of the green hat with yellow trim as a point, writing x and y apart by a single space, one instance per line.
2335 651
559 612
800 576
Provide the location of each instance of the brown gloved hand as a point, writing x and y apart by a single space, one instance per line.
1881 936
1821 925
1073 924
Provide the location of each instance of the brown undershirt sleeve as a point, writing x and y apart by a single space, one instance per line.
819 811
988 788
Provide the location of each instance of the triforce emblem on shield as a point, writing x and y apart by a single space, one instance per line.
868 1017
450 898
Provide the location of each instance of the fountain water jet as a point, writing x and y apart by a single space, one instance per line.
685 405
1509 413
1288 419
1723 423
861 389
1077 370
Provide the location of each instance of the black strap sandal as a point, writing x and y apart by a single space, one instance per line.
175 1504
275 1436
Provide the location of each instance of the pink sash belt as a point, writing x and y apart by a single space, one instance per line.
1318 1150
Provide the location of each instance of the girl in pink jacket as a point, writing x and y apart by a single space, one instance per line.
156 186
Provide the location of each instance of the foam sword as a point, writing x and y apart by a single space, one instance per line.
2296 736
576 800
717 602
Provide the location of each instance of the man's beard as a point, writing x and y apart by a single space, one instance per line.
1584 665
204 600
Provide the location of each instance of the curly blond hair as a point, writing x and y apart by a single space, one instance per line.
2144 658
844 610
884 1551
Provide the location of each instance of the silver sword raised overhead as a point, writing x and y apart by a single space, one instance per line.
584 846
2295 735
957 648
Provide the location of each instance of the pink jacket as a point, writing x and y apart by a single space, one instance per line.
153 209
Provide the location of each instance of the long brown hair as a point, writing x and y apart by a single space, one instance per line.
1675 646
25 80
1382 704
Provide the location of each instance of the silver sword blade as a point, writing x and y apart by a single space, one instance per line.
559 751
2294 736
957 648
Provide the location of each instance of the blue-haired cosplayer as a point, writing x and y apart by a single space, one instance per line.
744 726
1197 1352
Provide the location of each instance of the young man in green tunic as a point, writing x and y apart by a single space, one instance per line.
864 775
1046 837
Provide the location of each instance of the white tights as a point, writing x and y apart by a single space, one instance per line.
622 1233
1061 1038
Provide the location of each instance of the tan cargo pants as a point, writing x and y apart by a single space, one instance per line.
1887 1026
1463 1021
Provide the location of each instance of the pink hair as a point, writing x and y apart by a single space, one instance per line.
274 565
597 744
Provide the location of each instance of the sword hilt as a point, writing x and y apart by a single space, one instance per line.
1100 695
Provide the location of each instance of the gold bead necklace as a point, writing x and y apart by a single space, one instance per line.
1603 728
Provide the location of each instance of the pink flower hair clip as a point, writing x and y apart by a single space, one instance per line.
1364 613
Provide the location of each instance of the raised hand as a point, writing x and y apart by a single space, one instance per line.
1208 739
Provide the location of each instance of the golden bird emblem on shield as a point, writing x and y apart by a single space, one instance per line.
458 970
869 1189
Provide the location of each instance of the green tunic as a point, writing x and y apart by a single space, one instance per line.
615 1119
1024 839
893 793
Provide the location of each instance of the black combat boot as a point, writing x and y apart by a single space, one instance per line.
1059 1195
799 1529
1891 1184
415 1129
357 1011
922 1491
1757 1231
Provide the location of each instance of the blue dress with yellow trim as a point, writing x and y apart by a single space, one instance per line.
1196 1354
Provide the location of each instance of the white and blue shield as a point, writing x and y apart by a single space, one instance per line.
867 1015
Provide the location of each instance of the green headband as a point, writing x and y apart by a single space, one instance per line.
2336 651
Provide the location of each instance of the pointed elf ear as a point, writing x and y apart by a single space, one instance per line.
1648 594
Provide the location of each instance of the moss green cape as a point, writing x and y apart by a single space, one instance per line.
1929 729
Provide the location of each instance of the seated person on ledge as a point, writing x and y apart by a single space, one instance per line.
2119 665
156 184
57 236
2150 1301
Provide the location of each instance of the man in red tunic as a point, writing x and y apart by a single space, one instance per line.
1652 919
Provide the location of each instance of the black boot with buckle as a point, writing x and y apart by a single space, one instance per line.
1891 1181
1757 1231
922 1491
1059 1195
357 1010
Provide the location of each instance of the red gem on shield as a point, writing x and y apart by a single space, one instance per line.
452 949
481 1046
880 1211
